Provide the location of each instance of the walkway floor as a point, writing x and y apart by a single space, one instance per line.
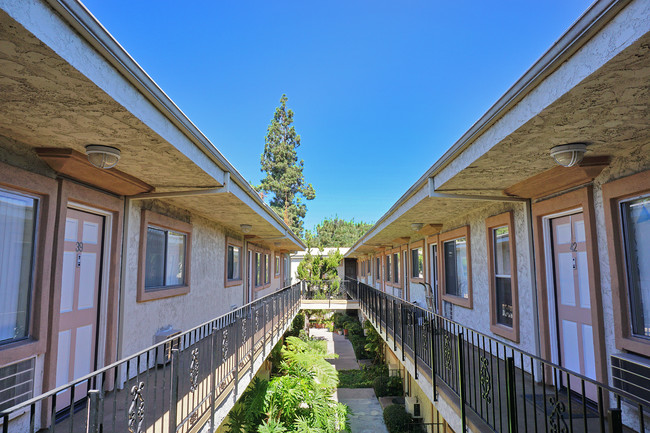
367 415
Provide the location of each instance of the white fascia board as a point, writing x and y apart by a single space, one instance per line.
604 30
396 211
104 61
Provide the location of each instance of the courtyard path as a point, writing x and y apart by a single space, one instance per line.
367 413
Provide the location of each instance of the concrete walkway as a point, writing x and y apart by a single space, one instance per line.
367 415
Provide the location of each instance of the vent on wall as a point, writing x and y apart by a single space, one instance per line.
631 373
16 383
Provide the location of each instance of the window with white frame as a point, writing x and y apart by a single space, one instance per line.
396 268
387 268
17 239
165 258
417 263
502 274
233 272
635 218
455 266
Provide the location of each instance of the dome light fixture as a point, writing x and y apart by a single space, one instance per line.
417 226
246 228
102 156
568 155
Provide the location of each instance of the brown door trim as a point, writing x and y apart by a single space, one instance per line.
71 193
578 199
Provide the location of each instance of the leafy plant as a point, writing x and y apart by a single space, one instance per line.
361 378
374 345
397 419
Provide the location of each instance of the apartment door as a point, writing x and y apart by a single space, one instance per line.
572 298
80 281
432 295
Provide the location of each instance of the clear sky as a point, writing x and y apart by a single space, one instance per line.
380 89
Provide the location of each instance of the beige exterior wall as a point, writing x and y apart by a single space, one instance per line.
207 298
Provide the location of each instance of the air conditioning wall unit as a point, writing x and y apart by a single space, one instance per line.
413 407
393 369
165 355
631 373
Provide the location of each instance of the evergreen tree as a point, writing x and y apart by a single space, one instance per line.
284 178
338 233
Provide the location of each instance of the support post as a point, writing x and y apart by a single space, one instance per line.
414 316
173 394
511 395
401 318
432 352
461 380
94 401
615 421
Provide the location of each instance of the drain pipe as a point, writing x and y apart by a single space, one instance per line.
533 274
121 296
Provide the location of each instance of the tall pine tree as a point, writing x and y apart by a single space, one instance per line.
284 178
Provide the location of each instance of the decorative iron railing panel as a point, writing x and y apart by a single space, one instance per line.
508 389
173 386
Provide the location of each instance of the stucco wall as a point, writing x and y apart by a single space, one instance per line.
207 298
637 161
478 317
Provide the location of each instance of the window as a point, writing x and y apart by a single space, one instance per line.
164 254
258 269
504 308
369 266
378 268
17 233
234 262
165 264
267 269
396 262
387 268
456 267
277 267
627 219
635 216
417 263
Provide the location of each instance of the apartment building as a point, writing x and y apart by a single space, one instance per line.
120 222
533 227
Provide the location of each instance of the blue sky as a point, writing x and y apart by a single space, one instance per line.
380 89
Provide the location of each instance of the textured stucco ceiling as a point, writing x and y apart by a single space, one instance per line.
45 102
610 110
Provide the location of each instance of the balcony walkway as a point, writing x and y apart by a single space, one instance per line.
480 381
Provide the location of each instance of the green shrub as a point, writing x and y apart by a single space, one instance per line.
388 386
380 385
397 419
395 386
298 323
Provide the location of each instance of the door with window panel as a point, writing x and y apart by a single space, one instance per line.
572 298
80 281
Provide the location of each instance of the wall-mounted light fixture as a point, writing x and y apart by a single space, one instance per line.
568 155
102 156
417 226
246 228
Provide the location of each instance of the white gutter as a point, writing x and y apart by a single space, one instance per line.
589 23
80 18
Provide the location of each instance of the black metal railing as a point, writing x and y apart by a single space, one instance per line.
508 389
173 386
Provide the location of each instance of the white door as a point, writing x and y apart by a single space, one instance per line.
572 298
82 258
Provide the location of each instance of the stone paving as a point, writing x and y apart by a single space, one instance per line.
367 415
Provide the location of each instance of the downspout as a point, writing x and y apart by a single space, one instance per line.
533 275
123 271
